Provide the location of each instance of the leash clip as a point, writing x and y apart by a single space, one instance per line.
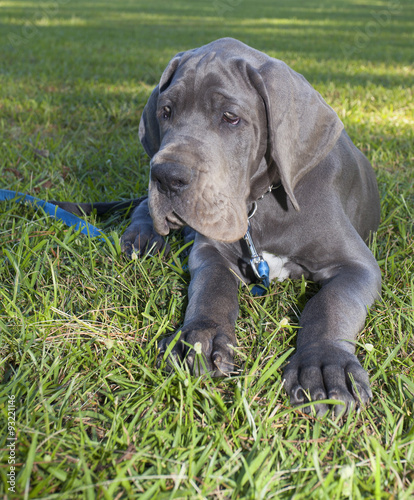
259 265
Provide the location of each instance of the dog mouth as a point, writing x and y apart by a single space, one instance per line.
163 215
174 221
212 216
217 232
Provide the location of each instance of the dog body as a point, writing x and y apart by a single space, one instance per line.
230 131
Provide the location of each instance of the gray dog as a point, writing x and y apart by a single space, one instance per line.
246 153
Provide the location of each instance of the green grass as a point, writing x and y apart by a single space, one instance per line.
94 418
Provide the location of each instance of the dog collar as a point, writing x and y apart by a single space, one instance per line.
258 263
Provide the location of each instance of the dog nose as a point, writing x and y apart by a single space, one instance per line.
170 177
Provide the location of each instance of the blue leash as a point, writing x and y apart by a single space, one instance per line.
55 212
259 265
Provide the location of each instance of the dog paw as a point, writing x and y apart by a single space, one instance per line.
205 347
140 239
326 372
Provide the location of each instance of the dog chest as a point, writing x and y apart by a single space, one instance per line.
277 266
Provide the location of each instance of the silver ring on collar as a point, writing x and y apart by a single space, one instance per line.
252 211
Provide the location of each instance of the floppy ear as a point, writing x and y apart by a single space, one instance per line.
149 132
302 128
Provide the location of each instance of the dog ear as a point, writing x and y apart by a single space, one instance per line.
149 131
302 128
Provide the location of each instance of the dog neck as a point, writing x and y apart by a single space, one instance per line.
271 188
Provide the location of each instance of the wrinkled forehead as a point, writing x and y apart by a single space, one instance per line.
209 78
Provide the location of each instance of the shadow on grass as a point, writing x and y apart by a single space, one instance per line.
114 42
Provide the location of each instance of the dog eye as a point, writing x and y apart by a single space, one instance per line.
166 113
231 118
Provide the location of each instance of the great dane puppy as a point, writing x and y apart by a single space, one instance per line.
229 131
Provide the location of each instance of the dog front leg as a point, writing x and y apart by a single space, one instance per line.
209 324
324 365
140 236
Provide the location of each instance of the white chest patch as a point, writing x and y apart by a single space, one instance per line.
277 268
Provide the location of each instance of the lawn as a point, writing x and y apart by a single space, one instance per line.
79 322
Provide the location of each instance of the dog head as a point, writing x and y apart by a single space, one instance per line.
224 123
